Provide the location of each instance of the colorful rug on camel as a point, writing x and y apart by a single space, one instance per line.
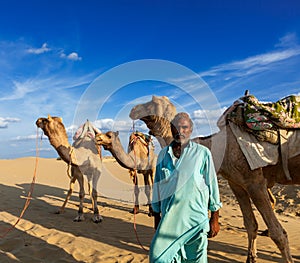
265 131
284 113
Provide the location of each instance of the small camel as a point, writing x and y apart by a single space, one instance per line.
245 183
140 158
83 156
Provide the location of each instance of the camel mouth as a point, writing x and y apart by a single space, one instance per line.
132 116
39 123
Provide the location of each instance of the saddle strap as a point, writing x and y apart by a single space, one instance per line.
284 150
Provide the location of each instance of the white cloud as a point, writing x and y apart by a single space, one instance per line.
119 125
207 116
104 124
289 40
24 138
47 85
20 90
252 64
5 121
72 56
40 50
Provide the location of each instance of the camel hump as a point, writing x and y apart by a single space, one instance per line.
144 136
86 130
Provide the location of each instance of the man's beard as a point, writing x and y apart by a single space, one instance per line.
179 137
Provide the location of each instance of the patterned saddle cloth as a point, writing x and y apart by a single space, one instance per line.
276 123
264 120
284 113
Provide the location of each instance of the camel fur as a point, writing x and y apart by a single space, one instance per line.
83 157
139 159
247 185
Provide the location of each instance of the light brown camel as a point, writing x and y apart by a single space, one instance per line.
140 158
83 156
245 183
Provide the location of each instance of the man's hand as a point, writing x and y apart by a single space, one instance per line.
214 224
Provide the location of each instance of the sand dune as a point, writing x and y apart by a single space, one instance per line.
43 236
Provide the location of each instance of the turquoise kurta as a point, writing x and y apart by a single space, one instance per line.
183 193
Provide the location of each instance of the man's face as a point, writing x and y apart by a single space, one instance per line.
182 131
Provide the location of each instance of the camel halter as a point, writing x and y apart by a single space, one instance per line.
29 196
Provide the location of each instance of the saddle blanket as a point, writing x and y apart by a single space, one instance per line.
259 153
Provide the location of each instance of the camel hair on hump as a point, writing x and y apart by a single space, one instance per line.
140 158
83 156
245 183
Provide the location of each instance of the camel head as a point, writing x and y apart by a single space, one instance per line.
157 115
106 139
160 107
52 127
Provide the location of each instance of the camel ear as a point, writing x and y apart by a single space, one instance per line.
60 119
117 133
154 98
49 117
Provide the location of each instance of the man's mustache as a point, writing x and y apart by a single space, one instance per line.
179 135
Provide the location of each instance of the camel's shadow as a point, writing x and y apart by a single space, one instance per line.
117 232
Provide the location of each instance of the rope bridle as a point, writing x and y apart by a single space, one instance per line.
29 196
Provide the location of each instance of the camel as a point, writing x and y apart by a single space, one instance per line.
83 157
245 183
140 158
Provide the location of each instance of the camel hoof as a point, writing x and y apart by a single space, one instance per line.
97 219
79 218
150 213
251 259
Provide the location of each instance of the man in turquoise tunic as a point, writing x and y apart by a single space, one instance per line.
185 189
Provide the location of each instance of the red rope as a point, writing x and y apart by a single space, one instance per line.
134 213
29 196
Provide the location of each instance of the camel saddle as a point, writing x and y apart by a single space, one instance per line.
268 122
144 138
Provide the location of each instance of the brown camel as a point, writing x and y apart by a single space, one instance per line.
245 183
83 156
140 158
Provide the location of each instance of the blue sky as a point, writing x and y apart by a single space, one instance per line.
51 53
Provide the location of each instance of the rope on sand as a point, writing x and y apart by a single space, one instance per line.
29 196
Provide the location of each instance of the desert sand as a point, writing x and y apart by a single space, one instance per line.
43 236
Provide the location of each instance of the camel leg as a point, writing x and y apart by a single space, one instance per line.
72 182
136 208
260 197
249 219
147 175
273 203
97 218
80 216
